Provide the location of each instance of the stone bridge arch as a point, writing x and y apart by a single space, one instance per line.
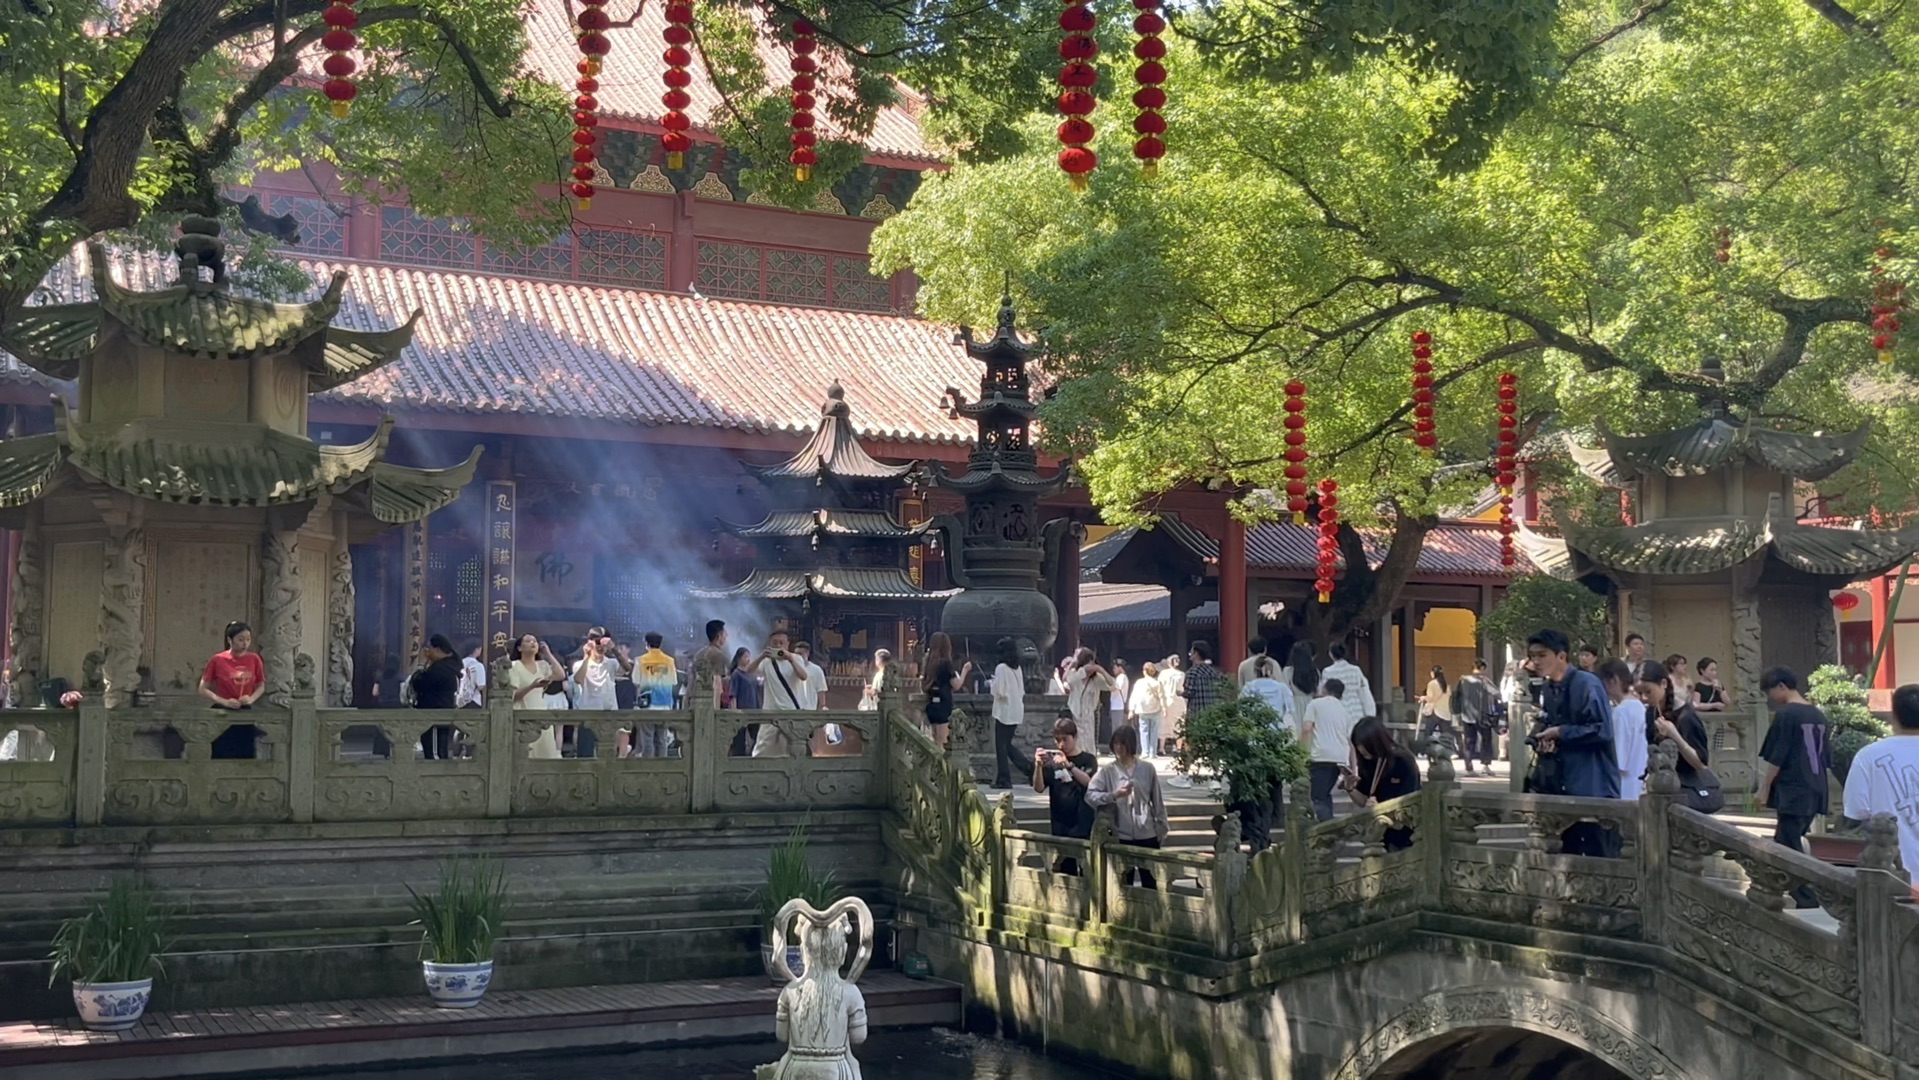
1444 1018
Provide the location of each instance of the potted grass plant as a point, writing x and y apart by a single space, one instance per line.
459 922
112 953
790 876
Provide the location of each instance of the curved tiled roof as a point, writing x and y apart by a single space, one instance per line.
793 524
500 345
833 451
1712 443
1105 609
1452 548
827 582
630 84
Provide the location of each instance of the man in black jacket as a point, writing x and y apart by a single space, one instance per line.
435 686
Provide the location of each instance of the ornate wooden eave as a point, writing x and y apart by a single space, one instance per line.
883 583
1700 547
824 522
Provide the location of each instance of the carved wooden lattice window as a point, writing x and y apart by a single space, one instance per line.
322 232
795 277
406 237
855 287
617 257
454 596
730 270
550 260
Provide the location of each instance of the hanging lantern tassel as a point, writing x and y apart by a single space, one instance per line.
1425 435
1296 450
1149 50
1077 49
679 57
1328 538
804 156
1888 300
1506 472
339 41
590 26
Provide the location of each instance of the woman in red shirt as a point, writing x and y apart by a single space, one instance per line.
236 678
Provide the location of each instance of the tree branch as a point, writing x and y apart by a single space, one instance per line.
1802 318
1636 20
1838 16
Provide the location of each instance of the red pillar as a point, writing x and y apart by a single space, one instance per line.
1232 595
1886 677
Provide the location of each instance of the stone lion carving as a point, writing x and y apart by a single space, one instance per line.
822 1014
303 668
92 672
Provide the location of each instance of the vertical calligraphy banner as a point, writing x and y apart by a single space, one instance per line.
416 563
500 524
912 512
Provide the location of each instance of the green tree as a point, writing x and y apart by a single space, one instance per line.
114 113
1536 601
1306 232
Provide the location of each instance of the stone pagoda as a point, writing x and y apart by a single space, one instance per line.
832 556
998 548
1716 560
182 491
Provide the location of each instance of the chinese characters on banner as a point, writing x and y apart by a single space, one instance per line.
499 570
912 512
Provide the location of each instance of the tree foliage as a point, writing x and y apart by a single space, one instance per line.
1536 602
1245 744
1306 230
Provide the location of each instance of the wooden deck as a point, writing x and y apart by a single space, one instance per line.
261 1038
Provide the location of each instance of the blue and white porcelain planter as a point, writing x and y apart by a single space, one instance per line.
457 986
794 960
112 1006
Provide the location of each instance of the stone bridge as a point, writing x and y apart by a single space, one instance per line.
1328 957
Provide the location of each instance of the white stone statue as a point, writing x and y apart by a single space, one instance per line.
822 1015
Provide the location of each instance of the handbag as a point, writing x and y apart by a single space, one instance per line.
1704 793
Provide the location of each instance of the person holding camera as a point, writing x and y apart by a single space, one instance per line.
1063 773
782 674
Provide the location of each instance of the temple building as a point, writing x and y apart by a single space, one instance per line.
1717 557
833 561
180 491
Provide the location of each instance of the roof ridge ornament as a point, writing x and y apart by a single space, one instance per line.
200 246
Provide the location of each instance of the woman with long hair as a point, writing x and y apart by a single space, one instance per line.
1671 718
1146 708
532 674
1675 666
1009 711
235 679
1132 786
1386 771
1084 684
742 686
943 678
1436 706
1301 675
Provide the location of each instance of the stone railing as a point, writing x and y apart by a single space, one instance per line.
156 765
1467 862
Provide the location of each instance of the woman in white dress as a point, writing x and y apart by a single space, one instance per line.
528 677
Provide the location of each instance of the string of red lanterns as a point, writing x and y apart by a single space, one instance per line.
1425 435
1149 125
1328 538
339 41
804 157
1077 49
1507 470
1888 299
678 57
1296 450
590 27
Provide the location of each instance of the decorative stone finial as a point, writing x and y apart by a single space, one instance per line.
1007 317
1882 844
1664 778
200 246
835 407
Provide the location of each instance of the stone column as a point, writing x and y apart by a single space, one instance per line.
279 636
1748 657
1066 591
26 627
340 616
123 596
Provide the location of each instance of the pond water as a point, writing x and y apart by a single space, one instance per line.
927 1054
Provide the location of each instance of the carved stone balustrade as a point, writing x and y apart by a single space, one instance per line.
157 766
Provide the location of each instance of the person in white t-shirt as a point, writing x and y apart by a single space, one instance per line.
784 679
1121 697
1884 778
1628 726
1328 734
472 691
813 695
1084 684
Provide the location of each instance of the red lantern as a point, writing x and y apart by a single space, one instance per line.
803 157
1078 49
1888 299
1506 468
1845 601
589 28
1328 537
1425 433
679 34
339 41
1149 24
1296 450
